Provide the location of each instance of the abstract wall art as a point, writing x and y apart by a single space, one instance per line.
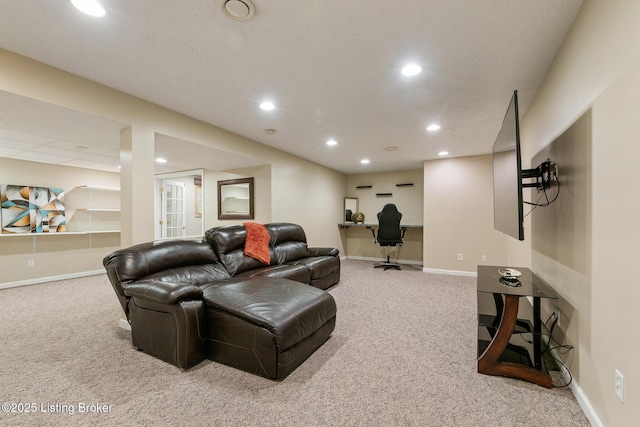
27 209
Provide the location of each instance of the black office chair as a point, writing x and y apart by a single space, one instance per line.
389 233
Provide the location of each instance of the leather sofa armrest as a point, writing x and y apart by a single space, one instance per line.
163 292
324 252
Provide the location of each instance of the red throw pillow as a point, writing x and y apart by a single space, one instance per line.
257 243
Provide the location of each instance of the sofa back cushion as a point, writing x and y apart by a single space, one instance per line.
228 243
155 259
289 241
196 275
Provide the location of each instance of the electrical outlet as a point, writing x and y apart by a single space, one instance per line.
556 312
619 386
460 256
31 263
484 258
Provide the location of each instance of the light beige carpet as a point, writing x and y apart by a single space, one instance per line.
403 354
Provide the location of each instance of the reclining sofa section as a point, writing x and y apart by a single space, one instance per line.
187 300
291 258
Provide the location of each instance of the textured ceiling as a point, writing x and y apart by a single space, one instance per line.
332 69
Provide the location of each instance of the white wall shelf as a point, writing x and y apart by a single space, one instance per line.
97 210
93 209
59 233
99 188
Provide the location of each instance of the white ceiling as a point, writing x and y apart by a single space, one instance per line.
36 131
331 67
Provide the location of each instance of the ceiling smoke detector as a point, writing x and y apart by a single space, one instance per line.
238 10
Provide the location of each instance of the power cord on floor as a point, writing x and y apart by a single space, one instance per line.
549 349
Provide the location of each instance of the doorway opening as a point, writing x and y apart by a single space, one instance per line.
179 212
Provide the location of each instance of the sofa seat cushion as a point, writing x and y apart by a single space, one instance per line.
298 273
290 311
319 267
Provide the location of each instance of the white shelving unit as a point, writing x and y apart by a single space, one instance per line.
89 210
92 216
93 209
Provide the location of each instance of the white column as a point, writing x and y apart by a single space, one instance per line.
137 185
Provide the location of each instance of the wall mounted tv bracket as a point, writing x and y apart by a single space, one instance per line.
542 174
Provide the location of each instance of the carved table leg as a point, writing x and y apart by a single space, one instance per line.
488 362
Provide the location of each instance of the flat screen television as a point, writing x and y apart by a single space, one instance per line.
508 215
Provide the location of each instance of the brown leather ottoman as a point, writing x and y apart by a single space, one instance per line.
266 326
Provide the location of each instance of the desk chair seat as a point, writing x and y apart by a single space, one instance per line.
390 234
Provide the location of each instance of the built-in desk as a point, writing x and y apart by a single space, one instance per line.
369 226
358 243
505 319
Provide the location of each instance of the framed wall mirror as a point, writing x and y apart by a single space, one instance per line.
350 207
235 199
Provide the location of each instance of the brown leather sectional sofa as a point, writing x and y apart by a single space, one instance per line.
187 300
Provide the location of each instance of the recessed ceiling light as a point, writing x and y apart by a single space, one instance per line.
433 127
443 153
90 7
161 160
364 161
332 142
411 69
267 105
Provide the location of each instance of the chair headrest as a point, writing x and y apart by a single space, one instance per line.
389 207
389 210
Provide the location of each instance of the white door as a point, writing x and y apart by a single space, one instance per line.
173 223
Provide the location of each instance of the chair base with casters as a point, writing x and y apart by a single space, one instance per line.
388 264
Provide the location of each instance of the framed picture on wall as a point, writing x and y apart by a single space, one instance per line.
30 209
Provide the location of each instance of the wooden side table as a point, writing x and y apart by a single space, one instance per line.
493 358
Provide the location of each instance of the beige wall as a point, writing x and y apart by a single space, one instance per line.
562 234
53 255
458 216
310 195
596 69
316 189
300 191
409 200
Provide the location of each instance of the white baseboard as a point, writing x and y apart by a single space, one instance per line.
577 390
450 272
413 262
399 261
50 279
